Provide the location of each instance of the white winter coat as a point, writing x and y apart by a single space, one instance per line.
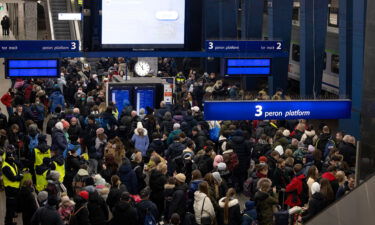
208 208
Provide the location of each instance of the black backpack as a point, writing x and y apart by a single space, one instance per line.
305 192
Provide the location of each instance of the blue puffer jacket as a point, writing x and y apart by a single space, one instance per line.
56 99
129 178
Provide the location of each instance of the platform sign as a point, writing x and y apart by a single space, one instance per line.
245 46
39 46
277 110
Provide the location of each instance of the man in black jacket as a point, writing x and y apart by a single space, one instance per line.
47 215
178 203
146 206
124 212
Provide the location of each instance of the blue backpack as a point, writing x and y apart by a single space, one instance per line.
33 142
149 219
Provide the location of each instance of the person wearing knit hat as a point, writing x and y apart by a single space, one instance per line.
99 131
279 149
84 195
286 133
218 159
221 166
263 159
66 124
59 126
311 148
180 177
217 177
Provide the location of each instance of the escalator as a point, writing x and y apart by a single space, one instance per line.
357 207
60 29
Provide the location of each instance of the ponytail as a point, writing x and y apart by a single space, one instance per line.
230 193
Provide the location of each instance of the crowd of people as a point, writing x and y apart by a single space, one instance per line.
160 165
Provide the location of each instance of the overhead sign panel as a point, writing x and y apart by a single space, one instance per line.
243 46
277 110
70 16
32 68
39 46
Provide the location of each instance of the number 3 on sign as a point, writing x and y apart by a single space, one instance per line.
259 111
210 45
74 45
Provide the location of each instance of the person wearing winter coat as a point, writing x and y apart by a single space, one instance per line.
199 138
66 208
146 206
265 201
178 203
128 177
295 188
80 209
47 215
166 125
348 150
156 144
250 213
115 192
202 204
309 136
56 99
230 213
174 151
140 139
157 181
124 212
59 142
28 203
316 204
98 210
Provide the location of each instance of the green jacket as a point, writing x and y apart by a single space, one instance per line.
264 203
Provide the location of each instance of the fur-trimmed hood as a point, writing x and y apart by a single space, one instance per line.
232 202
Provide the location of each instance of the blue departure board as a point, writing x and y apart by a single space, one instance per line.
145 97
247 67
121 98
32 68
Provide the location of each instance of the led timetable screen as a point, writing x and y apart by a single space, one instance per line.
32 68
143 23
121 97
145 97
247 67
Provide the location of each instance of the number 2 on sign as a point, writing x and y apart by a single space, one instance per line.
259 111
278 46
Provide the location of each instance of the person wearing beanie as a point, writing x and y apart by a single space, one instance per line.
316 204
140 139
310 149
59 141
279 149
262 159
178 203
47 215
250 213
218 159
223 188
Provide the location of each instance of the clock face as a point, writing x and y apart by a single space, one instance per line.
142 68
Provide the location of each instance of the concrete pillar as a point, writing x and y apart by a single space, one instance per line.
31 21
21 21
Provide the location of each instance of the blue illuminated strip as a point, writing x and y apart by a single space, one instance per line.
32 63
277 110
248 70
249 62
32 72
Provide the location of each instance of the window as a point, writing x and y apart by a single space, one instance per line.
335 63
295 52
295 15
333 13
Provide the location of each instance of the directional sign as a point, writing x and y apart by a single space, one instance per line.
243 46
38 46
277 110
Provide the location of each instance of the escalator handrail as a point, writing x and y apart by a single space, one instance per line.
50 20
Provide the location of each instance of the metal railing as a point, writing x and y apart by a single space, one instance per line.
50 18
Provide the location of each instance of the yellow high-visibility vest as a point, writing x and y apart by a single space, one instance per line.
41 181
61 170
7 182
39 156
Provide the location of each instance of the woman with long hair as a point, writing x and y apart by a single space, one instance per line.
203 208
327 191
230 213
312 176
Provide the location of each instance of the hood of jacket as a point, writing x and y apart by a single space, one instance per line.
329 176
238 139
82 172
199 196
261 196
232 202
125 168
310 133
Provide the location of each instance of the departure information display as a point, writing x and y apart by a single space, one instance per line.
247 67
143 23
145 97
31 68
121 98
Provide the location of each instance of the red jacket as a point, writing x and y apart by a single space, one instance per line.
294 190
329 176
7 99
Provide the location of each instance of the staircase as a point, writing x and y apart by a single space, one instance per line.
61 28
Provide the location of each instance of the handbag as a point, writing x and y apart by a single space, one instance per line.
207 219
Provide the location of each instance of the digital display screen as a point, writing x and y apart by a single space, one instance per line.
143 23
32 68
145 97
248 67
121 98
